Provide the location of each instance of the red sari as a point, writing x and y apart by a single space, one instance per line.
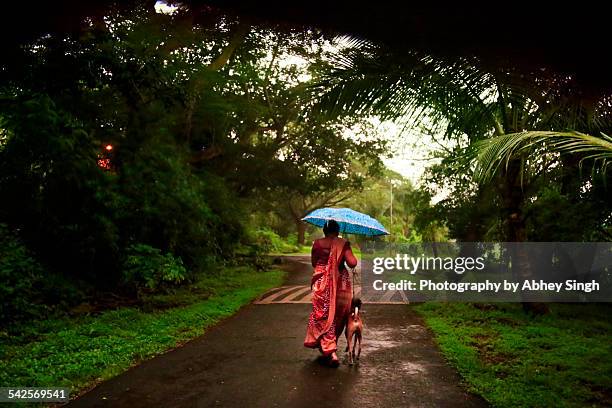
332 295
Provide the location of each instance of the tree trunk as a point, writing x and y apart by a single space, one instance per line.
301 231
516 228
434 248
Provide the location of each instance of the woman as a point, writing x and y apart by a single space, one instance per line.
331 291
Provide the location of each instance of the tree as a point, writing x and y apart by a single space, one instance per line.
198 116
124 81
319 167
464 97
282 149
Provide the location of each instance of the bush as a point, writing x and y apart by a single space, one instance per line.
146 267
20 276
53 190
268 241
80 218
292 239
258 244
168 205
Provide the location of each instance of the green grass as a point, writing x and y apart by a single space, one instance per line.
303 250
563 359
80 351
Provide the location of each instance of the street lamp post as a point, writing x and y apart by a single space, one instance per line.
391 210
392 183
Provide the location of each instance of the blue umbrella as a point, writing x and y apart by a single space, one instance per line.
351 221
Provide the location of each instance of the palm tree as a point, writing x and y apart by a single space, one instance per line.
497 106
463 96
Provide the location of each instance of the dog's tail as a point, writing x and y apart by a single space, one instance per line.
356 305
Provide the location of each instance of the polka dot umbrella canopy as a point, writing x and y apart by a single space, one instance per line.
350 221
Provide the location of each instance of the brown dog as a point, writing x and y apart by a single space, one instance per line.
354 330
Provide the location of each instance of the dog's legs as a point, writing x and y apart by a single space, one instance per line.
346 333
358 338
350 348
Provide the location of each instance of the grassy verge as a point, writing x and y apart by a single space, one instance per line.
563 359
80 351
303 250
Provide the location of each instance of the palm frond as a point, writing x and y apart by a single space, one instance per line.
456 94
491 154
461 94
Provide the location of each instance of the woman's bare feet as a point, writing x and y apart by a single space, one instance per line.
333 360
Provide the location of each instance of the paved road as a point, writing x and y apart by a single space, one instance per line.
256 359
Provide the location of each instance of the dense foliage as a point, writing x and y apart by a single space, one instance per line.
135 151
146 148
528 127
20 275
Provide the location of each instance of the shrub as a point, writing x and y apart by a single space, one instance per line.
268 241
292 239
146 267
20 275
53 190
170 206
79 218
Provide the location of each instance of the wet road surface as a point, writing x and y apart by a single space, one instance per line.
256 359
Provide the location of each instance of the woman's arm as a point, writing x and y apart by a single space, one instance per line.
349 258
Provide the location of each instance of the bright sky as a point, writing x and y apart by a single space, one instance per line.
411 152
164 8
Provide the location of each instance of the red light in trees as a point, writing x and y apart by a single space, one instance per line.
104 163
104 159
